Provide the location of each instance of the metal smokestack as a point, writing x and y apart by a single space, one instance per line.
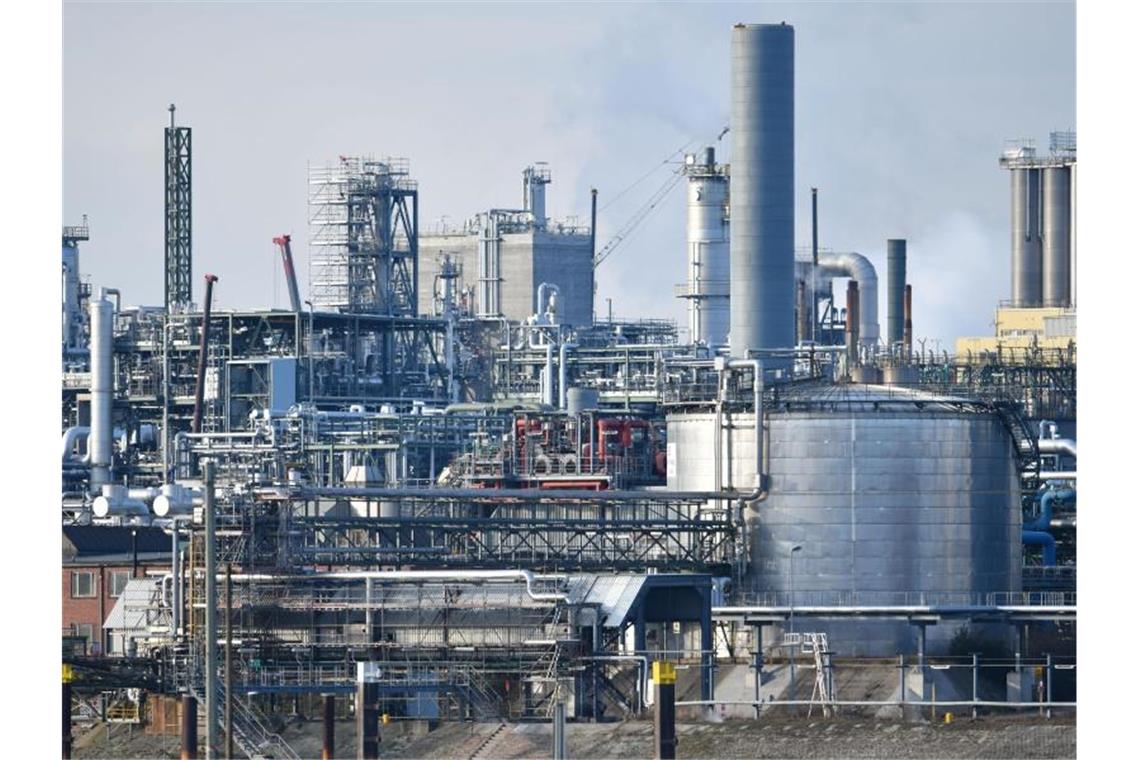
852 324
908 330
896 284
762 199
102 366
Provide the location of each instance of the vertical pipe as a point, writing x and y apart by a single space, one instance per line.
762 201
896 285
803 316
203 347
328 748
211 634
102 390
229 711
852 324
908 330
758 665
814 257
189 727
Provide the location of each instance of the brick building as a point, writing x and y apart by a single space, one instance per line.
97 563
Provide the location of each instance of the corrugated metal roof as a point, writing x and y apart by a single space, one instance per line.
614 594
106 540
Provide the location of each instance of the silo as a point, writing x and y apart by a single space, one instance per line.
762 198
896 497
1056 195
896 286
707 233
1025 269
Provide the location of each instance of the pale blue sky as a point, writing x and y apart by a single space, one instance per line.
901 112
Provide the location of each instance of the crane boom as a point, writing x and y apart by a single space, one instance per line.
290 274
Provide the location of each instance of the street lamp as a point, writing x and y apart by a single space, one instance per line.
792 586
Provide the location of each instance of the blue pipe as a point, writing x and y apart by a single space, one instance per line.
1044 540
1041 523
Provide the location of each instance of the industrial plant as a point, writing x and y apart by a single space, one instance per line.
445 487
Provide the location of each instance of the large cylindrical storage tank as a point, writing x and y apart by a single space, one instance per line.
895 496
762 199
1025 264
1056 198
707 233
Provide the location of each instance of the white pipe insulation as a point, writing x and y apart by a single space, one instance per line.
416 575
1065 446
861 270
71 436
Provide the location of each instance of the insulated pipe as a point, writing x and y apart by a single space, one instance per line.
71 436
1047 500
1065 446
102 387
541 300
548 376
562 350
861 270
203 347
426 576
116 501
1047 543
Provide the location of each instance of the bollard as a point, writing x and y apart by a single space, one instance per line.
974 708
189 728
328 748
367 719
664 714
559 749
1049 685
902 680
67 678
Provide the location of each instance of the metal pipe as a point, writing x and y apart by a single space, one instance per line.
1045 517
203 347
211 610
1057 446
896 285
501 494
229 700
852 324
762 197
71 436
115 501
282 242
427 576
562 373
548 376
99 443
1047 543
859 268
908 325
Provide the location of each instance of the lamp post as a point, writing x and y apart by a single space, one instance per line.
792 615
792 586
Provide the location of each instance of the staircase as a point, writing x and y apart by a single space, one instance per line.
1025 445
250 733
483 750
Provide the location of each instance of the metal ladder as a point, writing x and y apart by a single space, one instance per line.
816 644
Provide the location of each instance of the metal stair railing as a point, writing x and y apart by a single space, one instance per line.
250 733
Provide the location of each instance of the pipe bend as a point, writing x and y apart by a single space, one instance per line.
859 268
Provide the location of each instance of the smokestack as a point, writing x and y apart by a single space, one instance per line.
852 323
102 387
896 283
803 313
1025 269
908 333
761 235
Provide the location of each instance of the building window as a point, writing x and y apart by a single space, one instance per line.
87 632
82 584
119 580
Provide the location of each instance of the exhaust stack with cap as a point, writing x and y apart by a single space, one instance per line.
761 236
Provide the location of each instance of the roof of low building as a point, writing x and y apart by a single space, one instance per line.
105 544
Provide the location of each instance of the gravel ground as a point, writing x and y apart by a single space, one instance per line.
772 737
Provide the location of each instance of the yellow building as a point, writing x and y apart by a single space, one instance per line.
1042 333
